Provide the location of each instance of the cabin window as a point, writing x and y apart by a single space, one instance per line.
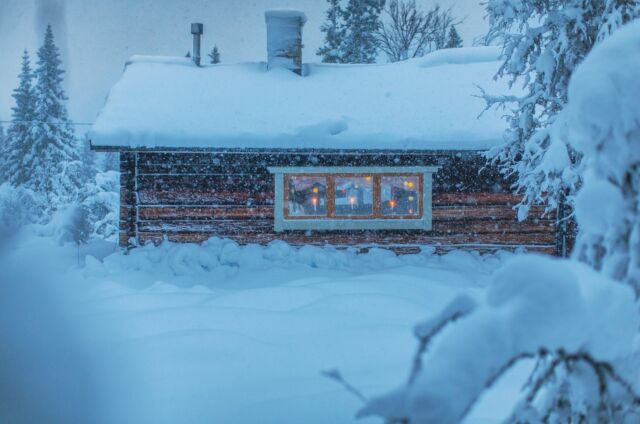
353 195
307 196
352 198
399 195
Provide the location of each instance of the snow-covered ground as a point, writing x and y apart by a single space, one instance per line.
222 333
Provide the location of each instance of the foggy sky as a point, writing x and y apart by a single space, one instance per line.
97 36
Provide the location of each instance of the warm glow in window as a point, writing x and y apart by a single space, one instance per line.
307 196
353 196
399 195
357 196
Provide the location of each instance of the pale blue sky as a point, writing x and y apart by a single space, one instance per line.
98 36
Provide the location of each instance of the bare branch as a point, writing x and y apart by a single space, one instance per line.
458 308
409 32
335 375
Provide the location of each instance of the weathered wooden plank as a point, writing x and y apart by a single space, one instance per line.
398 249
250 224
480 198
480 212
489 214
127 163
493 226
439 199
127 197
203 212
205 197
231 182
127 224
239 160
461 171
546 238
220 226
127 213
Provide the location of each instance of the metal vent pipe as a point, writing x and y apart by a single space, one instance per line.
196 30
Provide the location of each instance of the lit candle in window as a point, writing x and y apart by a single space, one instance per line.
392 204
411 198
409 184
314 202
352 201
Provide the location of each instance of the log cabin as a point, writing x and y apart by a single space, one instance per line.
384 155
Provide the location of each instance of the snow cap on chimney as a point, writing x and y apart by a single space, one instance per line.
284 38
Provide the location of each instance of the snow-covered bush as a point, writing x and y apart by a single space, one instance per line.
575 321
18 207
102 199
603 122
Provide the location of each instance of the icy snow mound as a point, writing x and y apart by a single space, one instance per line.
426 103
217 261
461 56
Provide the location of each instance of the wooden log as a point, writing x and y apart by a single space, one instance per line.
220 226
239 159
204 197
232 182
127 163
128 199
545 239
399 249
251 224
480 198
128 213
203 212
460 171
482 212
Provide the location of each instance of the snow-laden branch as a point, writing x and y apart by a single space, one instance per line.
534 305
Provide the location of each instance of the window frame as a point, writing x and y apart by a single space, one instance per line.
376 221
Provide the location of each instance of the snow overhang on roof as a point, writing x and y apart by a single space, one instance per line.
420 104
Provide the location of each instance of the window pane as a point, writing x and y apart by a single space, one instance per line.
399 195
354 196
307 196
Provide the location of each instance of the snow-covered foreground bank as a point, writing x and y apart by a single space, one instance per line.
222 333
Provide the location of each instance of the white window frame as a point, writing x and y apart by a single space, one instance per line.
281 223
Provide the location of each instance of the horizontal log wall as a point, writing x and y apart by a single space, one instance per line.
190 197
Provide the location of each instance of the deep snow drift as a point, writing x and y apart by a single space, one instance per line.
221 333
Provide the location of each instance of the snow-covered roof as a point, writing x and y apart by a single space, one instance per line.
426 103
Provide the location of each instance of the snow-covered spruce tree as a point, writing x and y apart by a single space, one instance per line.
603 121
454 40
362 22
19 138
54 146
544 41
333 30
214 56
